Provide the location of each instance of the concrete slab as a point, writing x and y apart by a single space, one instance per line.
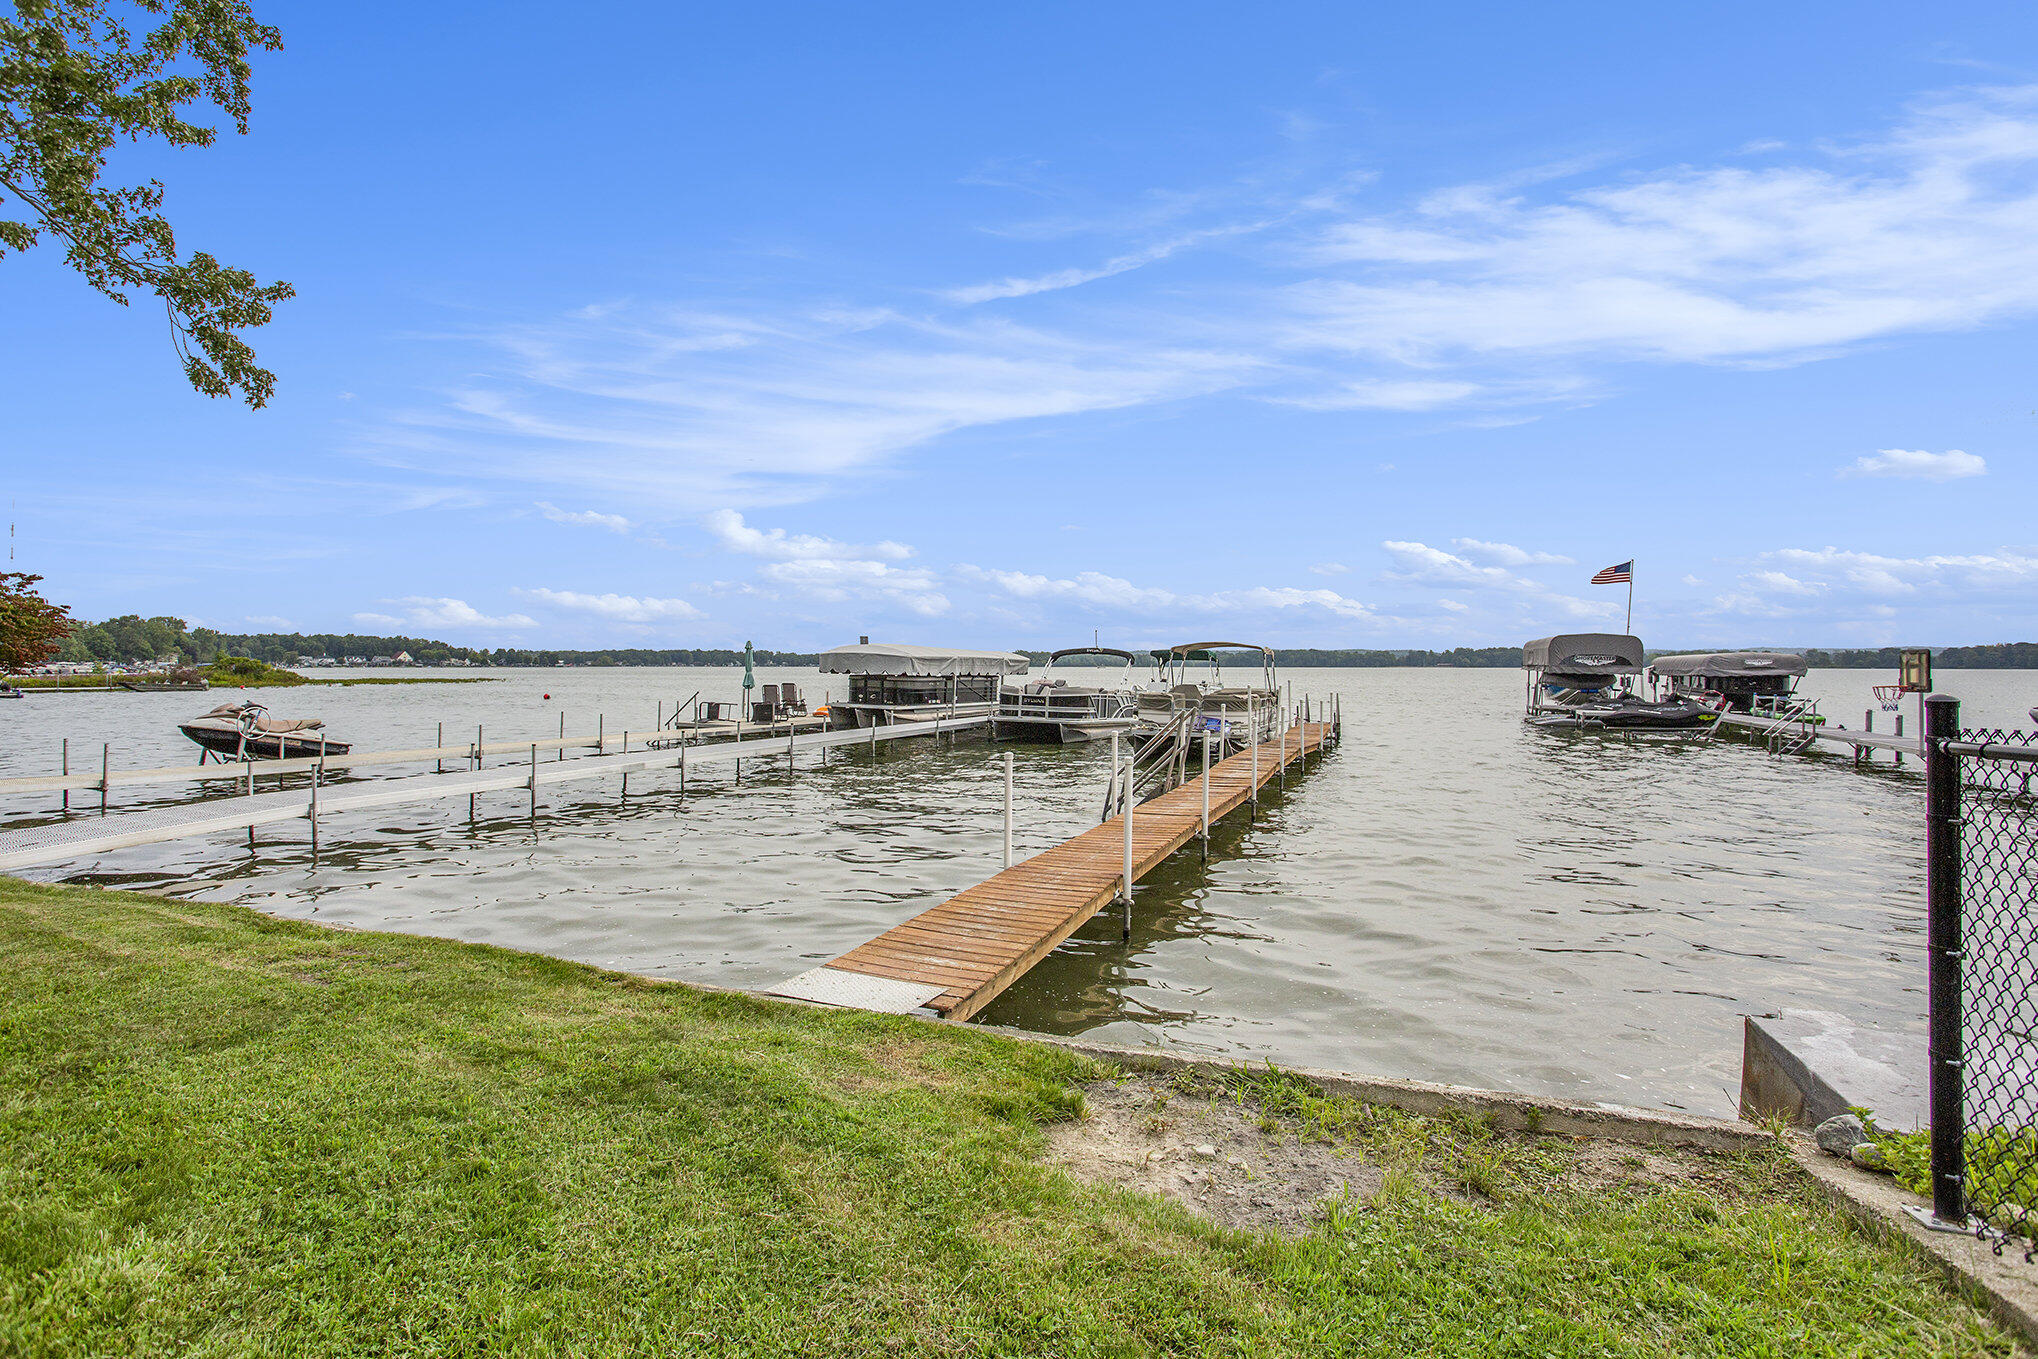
855 990
1809 1065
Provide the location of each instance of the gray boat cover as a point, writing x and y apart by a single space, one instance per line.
1585 653
1730 664
897 658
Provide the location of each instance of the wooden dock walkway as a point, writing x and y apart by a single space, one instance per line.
957 957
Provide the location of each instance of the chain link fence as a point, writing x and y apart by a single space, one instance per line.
1982 847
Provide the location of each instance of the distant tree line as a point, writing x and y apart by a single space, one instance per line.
131 638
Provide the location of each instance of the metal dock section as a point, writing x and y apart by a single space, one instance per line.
84 835
957 957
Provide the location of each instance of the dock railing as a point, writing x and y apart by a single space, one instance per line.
1981 856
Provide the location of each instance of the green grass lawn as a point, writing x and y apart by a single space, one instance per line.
225 1134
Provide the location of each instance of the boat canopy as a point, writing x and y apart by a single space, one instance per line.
1125 656
1200 651
1730 664
897 658
1585 653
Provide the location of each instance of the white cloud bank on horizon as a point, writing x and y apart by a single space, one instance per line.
438 611
1917 464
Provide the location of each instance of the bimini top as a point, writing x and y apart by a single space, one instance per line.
1200 651
1125 656
1730 664
897 658
1585 653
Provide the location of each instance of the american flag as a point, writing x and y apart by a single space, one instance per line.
1624 574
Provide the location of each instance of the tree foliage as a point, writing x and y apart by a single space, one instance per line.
77 77
31 628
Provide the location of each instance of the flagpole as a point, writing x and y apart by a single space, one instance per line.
1630 628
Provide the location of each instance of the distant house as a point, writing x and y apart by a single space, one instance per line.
402 658
357 660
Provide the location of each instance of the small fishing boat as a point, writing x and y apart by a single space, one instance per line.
9 691
244 731
1051 709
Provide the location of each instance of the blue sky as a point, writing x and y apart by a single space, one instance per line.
1323 325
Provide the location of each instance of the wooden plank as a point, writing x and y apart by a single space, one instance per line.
987 936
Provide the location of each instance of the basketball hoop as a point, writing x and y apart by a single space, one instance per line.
1890 696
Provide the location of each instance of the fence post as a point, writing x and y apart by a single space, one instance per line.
1942 953
1252 722
1008 809
1206 790
1127 816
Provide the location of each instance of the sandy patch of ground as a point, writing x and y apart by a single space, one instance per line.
1226 1160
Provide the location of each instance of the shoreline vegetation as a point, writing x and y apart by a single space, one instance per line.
132 639
229 1132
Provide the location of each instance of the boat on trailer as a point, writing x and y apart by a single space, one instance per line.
1050 709
1745 679
244 731
893 682
1588 679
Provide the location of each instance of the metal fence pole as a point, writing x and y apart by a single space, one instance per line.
1942 945
1128 846
1252 722
1008 809
1206 793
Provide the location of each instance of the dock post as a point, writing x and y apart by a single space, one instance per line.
1111 788
1281 771
1008 809
106 775
67 770
1899 732
1252 721
601 739
739 748
317 775
561 753
477 745
534 783
682 766
1942 954
1127 818
439 764
790 749
1206 796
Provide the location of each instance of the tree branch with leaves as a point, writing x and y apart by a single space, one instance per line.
31 628
77 77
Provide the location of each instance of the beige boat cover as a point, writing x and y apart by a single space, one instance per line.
275 725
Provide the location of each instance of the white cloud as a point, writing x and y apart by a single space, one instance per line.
614 523
1421 564
618 608
837 581
1096 590
426 611
1453 605
1873 574
1329 568
1932 227
729 528
1778 583
1918 464
1507 554
271 621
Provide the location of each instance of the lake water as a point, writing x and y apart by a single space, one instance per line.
1447 895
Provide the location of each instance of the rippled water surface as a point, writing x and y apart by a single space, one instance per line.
1447 895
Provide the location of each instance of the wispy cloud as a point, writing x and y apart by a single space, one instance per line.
427 611
612 607
1096 590
614 523
1507 554
737 536
1917 464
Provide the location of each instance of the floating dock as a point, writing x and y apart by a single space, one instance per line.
81 836
956 958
